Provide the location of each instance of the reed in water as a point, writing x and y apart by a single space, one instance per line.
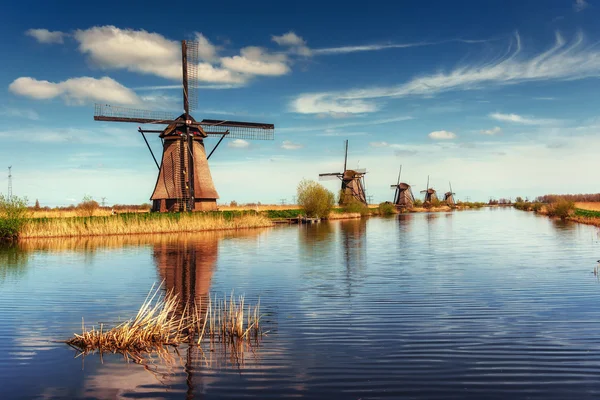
160 323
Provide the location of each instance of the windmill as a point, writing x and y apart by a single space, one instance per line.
449 197
184 181
403 198
353 182
430 194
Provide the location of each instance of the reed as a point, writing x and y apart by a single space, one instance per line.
160 323
140 223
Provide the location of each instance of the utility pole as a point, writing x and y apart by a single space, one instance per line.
369 199
283 202
293 199
103 201
9 182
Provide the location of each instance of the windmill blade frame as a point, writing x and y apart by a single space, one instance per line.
238 130
106 112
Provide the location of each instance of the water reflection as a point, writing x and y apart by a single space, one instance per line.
13 262
354 243
186 265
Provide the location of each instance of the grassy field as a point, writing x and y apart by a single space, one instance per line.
141 223
589 205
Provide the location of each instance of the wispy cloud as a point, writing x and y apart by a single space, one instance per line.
19 113
518 119
238 144
563 61
379 144
442 135
75 91
46 36
330 128
289 145
494 131
580 5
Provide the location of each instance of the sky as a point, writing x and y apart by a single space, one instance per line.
497 97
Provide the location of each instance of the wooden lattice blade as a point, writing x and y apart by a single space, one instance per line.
105 112
330 176
238 129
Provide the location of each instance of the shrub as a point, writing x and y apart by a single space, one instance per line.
314 199
355 206
87 206
386 208
436 202
537 206
418 203
13 214
561 209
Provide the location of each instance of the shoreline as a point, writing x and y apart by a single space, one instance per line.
145 223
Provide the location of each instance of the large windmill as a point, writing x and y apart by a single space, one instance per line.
403 198
449 197
184 181
430 194
353 182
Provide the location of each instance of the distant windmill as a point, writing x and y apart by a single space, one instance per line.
353 182
403 198
184 181
449 197
430 194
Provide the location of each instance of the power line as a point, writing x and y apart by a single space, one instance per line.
10 182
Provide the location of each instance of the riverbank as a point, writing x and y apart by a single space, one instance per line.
139 222
584 213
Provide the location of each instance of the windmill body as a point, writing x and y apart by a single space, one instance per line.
353 183
403 198
430 194
449 197
184 180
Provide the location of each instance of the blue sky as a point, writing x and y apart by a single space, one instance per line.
498 97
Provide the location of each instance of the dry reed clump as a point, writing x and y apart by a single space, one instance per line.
343 215
139 224
159 324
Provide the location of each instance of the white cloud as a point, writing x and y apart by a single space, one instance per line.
19 113
288 145
206 50
580 5
75 91
150 53
494 131
295 43
137 51
238 144
518 119
318 103
288 39
442 135
561 62
257 61
46 36
379 144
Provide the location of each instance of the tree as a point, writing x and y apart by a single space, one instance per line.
314 199
13 214
88 206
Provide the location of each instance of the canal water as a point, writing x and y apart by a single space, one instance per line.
495 303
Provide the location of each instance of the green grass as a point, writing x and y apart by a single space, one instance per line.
274 214
587 213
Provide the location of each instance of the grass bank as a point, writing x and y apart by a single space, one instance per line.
141 223
589 213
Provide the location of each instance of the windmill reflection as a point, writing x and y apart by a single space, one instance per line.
186 265
354 243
